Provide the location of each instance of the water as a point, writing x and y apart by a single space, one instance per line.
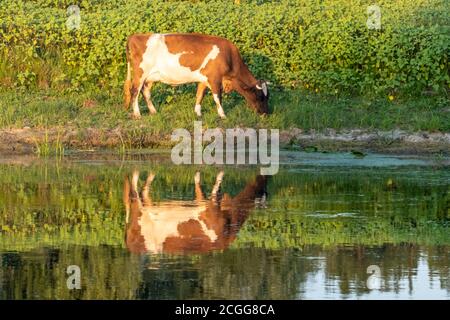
141 228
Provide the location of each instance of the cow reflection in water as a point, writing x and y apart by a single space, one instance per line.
177 226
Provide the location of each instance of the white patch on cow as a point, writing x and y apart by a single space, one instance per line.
161 221
211 56
216 186
158 64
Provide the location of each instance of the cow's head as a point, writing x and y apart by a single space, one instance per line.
261 97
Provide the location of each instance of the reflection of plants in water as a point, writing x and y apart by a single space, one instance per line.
76 204
109 272
335 208
106 273
74 214
82 204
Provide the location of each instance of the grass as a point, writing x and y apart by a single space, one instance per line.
50 148
290 109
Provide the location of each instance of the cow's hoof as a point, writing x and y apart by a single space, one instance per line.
198 110
135 116
222 116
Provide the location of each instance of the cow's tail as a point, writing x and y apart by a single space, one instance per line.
127 84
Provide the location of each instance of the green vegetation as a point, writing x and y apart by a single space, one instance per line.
321 45
327 68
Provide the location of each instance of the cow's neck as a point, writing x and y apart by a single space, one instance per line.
246 78
245 83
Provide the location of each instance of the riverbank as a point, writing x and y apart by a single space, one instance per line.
49 122
35 141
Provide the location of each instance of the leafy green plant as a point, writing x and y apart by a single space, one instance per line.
320 45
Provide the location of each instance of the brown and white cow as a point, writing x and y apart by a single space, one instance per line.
178 226
174 59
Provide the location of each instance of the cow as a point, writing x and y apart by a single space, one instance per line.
212 62
183 226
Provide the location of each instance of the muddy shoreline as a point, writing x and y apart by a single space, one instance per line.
25 141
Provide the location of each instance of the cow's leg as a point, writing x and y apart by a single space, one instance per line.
216 89
216 186
126 198
135 89
147 96
198 189
134 187
200 94
145 191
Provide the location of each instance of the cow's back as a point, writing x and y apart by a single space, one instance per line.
180 58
